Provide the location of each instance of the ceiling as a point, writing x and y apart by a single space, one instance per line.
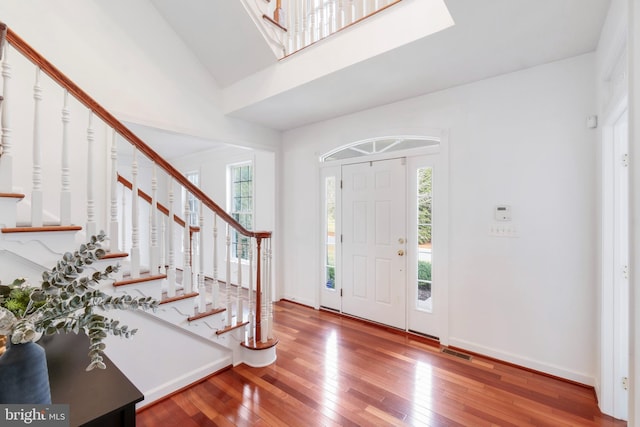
489 38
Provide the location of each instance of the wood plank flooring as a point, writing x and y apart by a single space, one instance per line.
336 371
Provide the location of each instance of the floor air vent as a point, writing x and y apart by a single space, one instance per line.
456 354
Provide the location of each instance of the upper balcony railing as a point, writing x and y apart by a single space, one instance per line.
292 25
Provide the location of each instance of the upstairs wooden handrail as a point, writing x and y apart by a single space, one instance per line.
23 47
274 22
147 198
3 36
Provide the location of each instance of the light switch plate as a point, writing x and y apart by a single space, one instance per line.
503 230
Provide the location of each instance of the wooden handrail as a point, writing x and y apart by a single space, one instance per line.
147 198
23 47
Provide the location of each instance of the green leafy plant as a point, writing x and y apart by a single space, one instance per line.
67 301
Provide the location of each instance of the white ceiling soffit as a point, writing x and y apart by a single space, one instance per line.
169 145
489 38
222 35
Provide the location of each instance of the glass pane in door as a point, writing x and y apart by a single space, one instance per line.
330 232
424 231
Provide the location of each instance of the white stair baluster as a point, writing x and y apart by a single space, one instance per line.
340 12
290 25
239 249
263 294
304 24
65 192
227 284
215 285
135 229
295 26
6 156
154 253
124 218
331 17
201 288
349 12
36 193
324 19
114 241
313 23
268 291
163 246
92 227
187 281
251 319
358 9
171 274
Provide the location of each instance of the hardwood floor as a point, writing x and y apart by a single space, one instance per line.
336 371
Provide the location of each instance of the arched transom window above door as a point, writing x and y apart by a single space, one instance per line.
379 146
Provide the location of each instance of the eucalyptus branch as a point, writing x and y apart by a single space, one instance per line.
66 300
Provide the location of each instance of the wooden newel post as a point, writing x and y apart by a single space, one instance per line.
258 336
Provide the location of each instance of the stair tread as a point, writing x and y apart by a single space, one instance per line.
12 195
141 279
48 228
206 314
168 300
111 255
231 328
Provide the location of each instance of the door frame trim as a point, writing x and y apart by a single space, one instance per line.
442 150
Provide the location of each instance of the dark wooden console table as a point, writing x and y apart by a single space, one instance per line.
101 397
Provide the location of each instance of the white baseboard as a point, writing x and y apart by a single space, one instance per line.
303 301
523 361
184 380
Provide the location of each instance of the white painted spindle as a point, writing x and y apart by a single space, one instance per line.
37 207
269 291
263 293
252 318
340 12
92 228
124 216
163 246
65 192
227 284
201 287
135 228
171 274
154 252
239 250
187 281
114 241
6 156
216 285
348 12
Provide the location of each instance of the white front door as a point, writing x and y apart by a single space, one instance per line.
374 241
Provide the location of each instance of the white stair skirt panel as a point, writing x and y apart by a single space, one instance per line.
166 358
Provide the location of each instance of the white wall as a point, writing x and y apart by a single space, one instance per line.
519 139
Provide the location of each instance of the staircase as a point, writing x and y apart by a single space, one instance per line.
69 168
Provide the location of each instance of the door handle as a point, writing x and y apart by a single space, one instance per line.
400 252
